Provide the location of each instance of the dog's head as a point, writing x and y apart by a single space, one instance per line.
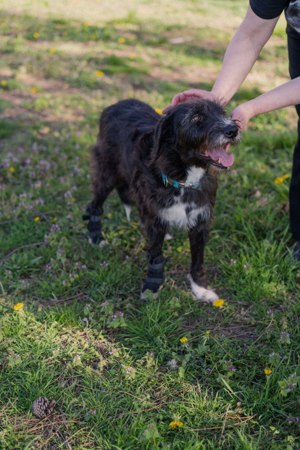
200 132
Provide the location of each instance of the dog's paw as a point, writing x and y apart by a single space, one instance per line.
168 237
201 293
148 295
99 243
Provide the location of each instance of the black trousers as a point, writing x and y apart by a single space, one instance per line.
294 66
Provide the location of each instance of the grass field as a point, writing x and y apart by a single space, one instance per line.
71 326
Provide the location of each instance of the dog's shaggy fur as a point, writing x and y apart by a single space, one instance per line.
136 148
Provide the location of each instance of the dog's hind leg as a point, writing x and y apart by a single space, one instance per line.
93 214
197 275
155 274
94 226
103 183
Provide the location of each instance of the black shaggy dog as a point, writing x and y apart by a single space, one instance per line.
167 166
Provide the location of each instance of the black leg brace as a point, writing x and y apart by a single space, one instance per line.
155 275
94 224
296 251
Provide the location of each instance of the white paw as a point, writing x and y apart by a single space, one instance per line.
168 237
205 295
102 243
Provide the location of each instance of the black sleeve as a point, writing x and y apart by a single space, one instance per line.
268 9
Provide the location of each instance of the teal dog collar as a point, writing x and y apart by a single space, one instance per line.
177 184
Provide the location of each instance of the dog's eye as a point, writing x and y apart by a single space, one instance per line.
197 118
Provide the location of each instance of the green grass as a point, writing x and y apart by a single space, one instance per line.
115 367
7 128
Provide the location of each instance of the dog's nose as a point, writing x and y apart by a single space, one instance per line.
231 131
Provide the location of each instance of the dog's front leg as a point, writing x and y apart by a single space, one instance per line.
197 277
155 276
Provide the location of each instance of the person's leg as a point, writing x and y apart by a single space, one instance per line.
294 66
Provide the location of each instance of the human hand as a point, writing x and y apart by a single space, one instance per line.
189 96
241 115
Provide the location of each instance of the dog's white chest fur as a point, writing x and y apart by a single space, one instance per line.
186 214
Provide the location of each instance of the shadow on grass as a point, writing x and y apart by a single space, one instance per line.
86 71
55 30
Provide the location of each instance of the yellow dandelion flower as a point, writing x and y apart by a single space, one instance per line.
132 56
159 111
44 131
3 83
36 35
280 180
52 50
267 371
184 340
34 89
18 307
11 169
121 40
219 303
176 424
85 24
99 73
37 219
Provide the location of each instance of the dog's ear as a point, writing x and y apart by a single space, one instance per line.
157 138
164 133
144 136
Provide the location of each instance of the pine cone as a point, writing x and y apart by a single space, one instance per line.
42 407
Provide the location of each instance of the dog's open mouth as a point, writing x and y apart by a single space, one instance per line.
221 157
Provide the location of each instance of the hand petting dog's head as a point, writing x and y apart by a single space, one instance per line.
200 132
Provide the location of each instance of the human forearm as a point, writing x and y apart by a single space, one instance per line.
241 54
285 95
239 58
230 78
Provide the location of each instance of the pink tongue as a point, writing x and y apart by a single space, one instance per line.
221 156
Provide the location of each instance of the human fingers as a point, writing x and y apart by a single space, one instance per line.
167 108
179 98
240 117
189 95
